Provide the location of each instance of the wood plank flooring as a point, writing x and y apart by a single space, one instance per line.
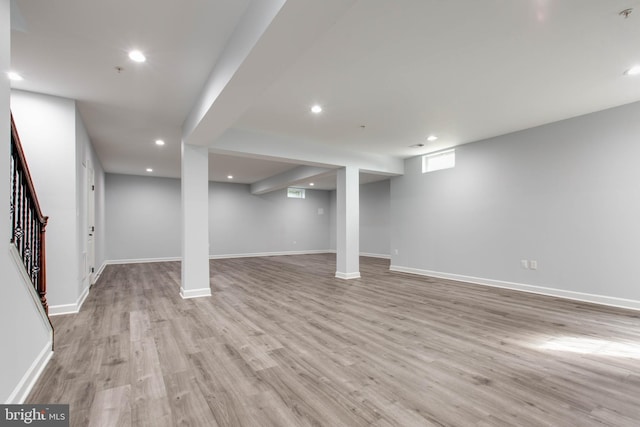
283 343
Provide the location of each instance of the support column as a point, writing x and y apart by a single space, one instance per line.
348 223
195 222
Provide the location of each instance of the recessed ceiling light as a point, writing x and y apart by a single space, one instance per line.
159 142
432 138
316 109
149 170
229 176
633 71
137 56
14 76
311 184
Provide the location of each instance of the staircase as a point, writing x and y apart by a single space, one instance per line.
28 224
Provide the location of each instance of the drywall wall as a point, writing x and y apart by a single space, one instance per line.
143 219
59 153
87 163
566 195
375 221
100 231
241 223
48 133
375 211
333 212
25 338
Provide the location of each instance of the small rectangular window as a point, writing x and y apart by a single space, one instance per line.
295 193
437 161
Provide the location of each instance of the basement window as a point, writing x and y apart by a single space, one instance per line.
295 193
438 161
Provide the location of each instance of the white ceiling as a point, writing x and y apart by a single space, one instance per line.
463 70
245 170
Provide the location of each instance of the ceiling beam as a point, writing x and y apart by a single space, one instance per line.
271 35
298 150
252 25
285 179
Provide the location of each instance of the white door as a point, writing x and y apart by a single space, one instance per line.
91 224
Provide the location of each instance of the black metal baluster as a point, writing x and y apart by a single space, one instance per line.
27 221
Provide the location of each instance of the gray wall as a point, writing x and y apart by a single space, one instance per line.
86 159
23 334
143 219
565 194
375 207
100 213
58 149
47 126
241 223
332 219
375 218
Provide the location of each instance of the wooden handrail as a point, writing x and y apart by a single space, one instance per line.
23 160
28 222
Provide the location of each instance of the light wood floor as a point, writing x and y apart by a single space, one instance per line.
283 343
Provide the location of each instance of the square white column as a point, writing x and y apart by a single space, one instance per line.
348 223
195 222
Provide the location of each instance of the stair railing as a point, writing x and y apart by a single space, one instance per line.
28 224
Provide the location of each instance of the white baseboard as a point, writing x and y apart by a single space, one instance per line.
370 255
139 261
267 254
22 390
97 274
364 254
195 293
221 256
560 293
347 276
83 297
57 310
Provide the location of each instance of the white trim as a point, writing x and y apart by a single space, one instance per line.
221 256
266 254
139 261
560 293
22 390
26 281
347 276
195 293
97 274
369 255
83 297
57 310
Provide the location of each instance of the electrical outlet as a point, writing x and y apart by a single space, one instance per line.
395 251
533 264
524 264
